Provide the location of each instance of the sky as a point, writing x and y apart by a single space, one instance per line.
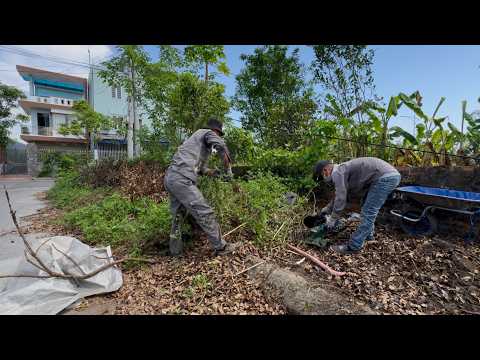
435 70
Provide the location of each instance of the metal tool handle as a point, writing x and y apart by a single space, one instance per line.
394 212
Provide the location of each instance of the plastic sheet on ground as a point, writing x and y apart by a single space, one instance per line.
52 295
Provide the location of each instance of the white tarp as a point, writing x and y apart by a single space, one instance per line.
52 295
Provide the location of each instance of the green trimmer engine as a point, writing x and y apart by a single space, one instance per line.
316 224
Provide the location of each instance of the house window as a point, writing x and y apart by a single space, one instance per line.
119 92
43 120
113 91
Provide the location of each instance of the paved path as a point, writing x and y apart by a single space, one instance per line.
23 197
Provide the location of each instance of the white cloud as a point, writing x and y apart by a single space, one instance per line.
9 60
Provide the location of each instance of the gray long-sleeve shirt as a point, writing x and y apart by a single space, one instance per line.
356 176
191 158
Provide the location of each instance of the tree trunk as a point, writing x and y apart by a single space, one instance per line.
136 129
130 130
206 72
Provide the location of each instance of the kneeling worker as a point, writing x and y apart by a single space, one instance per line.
189 161
358 176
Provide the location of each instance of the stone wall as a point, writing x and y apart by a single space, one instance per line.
36 152
465 178
33 164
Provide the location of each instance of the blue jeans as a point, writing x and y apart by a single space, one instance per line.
377 195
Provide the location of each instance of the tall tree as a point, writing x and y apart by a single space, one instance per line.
344 72
9 95
206 55
191 102
274 97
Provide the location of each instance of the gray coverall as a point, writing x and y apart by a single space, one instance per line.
180 181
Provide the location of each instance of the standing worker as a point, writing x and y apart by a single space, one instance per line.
189 161
368 175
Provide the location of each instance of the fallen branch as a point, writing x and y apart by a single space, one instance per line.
27 244
316 261
231 231
280 228
249 268
69 258
41 265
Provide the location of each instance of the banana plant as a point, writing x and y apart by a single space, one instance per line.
380 118
434 137
472 135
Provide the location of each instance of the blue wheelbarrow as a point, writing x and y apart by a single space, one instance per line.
420 205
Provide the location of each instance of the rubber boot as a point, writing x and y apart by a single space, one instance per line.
176 241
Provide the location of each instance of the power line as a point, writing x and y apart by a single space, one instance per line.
400 148
49 58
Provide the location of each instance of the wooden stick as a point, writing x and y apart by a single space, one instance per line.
280 228
250 268
316 261
231 231
300 261
27 244
69 258
51 273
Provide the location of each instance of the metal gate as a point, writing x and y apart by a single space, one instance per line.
14 160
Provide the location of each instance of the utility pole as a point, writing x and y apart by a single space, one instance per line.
92 135
130 125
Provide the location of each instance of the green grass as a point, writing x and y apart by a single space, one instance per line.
105 217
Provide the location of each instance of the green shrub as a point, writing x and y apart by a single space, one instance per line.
260 203
54 163
115 220
67 190
241 144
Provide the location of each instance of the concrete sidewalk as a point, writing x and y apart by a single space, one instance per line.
22 193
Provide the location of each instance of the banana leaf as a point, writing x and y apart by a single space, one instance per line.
392 107
442 99
397 131
420 131
438 122
413 106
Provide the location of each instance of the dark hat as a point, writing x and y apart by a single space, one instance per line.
215 124
318 169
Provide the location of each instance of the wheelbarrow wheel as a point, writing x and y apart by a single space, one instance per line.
425 227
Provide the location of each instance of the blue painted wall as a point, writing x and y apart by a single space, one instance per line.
43 91
102 101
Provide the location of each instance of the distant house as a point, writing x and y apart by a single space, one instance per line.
49 105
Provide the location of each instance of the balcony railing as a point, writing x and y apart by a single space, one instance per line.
52 100
45 131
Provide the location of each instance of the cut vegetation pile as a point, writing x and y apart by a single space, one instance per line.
133 179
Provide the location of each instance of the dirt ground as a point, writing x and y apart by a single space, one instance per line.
394 274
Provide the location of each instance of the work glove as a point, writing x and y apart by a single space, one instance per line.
330 222
325 211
